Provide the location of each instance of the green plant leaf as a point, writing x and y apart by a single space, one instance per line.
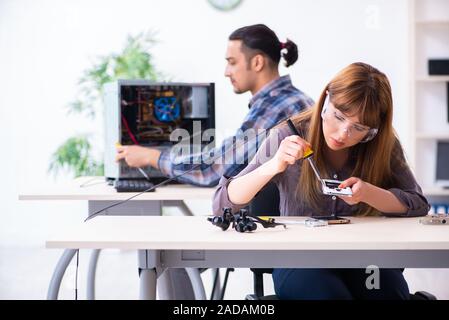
74 156
133 62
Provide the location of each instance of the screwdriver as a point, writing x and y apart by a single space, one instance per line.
308 153
118 144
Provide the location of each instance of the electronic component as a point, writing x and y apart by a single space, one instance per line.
167 109
311 222
329 187
157 115
308 222
435 219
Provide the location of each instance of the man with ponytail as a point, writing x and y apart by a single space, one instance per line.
350 130
253 55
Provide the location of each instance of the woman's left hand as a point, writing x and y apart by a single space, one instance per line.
359 189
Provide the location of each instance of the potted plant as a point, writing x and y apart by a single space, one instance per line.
135 61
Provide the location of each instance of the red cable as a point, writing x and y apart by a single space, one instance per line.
129 131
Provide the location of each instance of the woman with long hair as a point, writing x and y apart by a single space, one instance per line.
350 131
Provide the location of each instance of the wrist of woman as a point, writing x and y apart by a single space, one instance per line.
270 168
368 193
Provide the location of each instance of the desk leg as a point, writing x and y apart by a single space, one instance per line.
147 261
147 284
194 274
197 283
131 208
90 294
180 204
58 273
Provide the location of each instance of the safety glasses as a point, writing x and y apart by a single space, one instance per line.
337 120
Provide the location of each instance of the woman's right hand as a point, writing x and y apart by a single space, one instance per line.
290 150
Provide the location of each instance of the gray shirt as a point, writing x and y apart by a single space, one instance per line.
405 187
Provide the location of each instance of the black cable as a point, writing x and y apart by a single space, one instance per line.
76 274
217 275
138 194
225 282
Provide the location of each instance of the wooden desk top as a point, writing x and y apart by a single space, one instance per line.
196 233
96 188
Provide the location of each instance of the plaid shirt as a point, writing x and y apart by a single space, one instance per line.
275 102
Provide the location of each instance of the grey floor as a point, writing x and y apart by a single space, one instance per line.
25 273
26 265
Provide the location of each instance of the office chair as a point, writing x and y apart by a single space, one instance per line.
265 203
259 291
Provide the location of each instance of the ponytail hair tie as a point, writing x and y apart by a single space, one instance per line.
283 45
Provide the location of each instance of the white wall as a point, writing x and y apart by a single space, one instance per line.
45 45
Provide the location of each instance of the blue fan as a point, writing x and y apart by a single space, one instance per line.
166 109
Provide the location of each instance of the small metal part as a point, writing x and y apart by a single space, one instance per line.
311 222
435 219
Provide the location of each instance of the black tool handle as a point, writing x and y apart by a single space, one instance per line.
293 128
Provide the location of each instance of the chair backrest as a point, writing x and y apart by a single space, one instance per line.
266 201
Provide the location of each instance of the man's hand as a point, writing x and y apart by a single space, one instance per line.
360 190
137 156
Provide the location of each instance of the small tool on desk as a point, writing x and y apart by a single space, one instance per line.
308 222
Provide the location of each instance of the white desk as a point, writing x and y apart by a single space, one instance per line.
95 189
193 242
100 195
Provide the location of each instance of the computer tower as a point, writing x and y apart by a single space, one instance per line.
146 113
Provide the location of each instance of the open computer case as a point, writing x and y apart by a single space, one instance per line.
146 113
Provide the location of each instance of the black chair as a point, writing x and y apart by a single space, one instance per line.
265 203
259 291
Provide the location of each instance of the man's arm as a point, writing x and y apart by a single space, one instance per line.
208 166
137 156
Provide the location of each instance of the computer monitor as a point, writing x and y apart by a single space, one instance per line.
442 167
145 113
